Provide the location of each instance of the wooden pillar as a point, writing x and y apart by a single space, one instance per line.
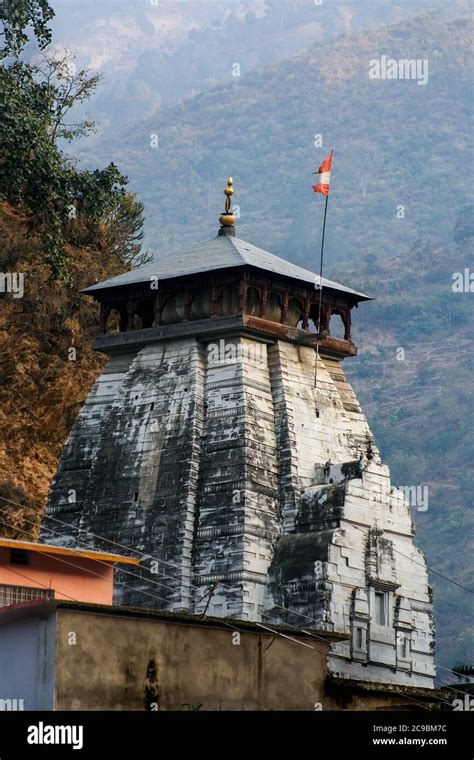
306 310
157 306
215 300
263 300
187 305
122 310
243 293
131 313
347 324
284 307
324 318
329 314
103 314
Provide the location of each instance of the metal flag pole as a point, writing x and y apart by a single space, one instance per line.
321 262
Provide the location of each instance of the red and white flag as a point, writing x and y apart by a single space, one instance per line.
324 176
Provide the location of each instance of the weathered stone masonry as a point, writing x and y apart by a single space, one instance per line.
205 445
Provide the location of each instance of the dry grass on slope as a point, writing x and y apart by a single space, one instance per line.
41 388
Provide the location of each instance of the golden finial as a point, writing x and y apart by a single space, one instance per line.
227 219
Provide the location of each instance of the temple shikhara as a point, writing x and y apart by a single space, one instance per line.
223 442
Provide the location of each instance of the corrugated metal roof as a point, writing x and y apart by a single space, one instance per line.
223 252
13 543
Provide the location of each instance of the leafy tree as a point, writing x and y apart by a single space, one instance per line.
33 172
15 18
38 178
125 231
65 87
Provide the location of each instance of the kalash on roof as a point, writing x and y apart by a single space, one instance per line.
224 252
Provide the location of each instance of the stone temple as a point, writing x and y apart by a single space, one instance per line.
247 477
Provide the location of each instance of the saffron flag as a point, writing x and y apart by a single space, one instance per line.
324 176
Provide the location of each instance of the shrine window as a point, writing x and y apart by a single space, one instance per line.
117 319
273 308
201 305
381 608
295 313
173 310
144 313
229 301
253 302
337 326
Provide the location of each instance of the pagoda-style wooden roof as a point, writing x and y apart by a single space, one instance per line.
222 252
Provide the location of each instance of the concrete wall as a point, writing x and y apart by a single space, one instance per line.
87 658
126 663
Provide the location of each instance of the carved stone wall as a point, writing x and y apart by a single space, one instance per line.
260 497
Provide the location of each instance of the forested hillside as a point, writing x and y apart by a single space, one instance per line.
153 54
46 362
395 142
415 379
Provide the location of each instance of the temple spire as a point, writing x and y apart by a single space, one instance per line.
227 218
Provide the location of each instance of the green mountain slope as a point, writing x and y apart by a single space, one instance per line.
396 143
155 53
415 378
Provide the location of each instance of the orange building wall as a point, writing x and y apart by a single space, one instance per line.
71 583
